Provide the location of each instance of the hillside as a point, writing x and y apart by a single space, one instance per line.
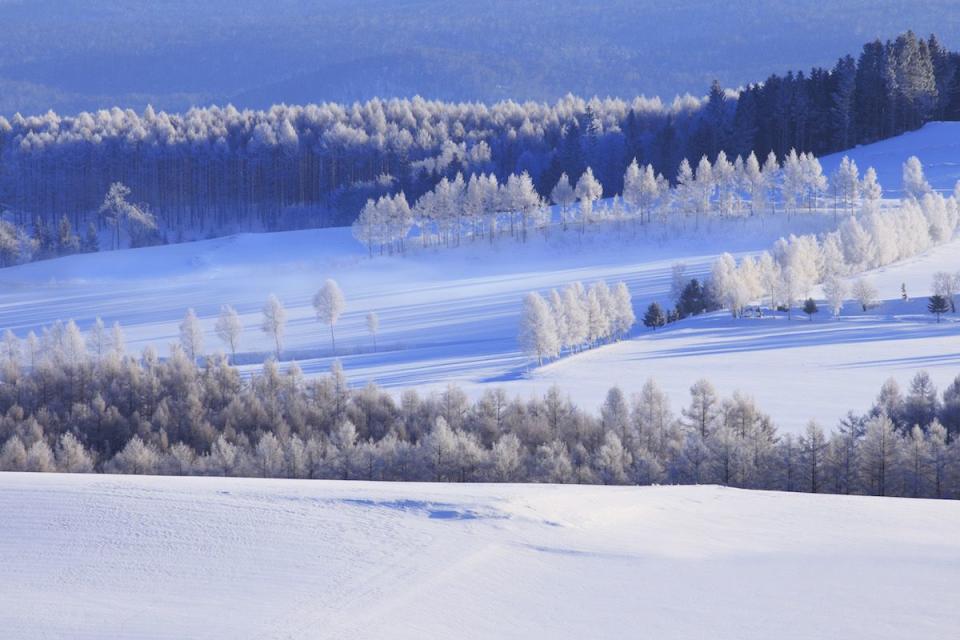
452 315
139 557
937 144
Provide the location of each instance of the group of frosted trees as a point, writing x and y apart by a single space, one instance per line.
328 304
786 274
220 169
81 406
574 319
482 207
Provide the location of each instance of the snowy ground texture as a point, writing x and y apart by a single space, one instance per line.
451 315
139 557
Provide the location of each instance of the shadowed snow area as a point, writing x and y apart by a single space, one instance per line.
143 557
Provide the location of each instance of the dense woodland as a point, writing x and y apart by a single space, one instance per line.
214 170
84 406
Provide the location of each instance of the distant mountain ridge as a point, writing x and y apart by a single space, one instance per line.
69 56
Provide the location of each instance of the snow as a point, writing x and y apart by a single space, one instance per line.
446 315
796 370
452 315
937 144
147 557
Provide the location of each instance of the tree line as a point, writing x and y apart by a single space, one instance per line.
220 169
81 411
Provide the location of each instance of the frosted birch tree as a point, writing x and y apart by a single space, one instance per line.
329 303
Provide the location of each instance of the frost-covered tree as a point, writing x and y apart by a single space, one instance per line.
624 317
836 292
117 211
506 457
191 335
632 180
772 178
704 185
274 321
369 225
794 182
329 303
40 457
915 184
538 329
229 328
599 312
72 456
652 188
13 455
269 456
588 191
846 182
137 457
726 284
224 456
97 338
575 316
117 341
864 293
880 452
703 413
815 183
871 191
813 445
373 327
922 404
563 195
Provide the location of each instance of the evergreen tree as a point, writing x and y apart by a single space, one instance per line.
938 305
654 316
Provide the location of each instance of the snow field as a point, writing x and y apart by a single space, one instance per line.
452 315
147 557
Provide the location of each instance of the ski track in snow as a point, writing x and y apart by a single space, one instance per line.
145 557
451 315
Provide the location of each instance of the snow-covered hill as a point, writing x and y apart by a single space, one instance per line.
451 316
445 315
796 370
936 144
137 557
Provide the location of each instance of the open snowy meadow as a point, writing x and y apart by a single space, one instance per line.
145 557
452 315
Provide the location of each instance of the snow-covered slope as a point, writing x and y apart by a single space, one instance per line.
796 370
451 315
936 144
133 557
446 316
